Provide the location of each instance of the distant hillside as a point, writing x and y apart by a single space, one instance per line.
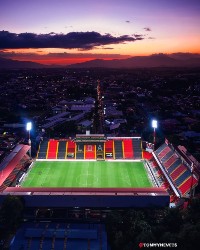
14 64
157 60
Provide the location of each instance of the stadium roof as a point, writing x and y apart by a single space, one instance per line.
11 161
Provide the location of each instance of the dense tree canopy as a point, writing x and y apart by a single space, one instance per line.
11 212
126 229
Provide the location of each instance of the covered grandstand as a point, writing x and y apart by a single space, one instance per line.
91 147
68 236
182 177
13 164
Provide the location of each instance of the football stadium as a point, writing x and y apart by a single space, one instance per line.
92 170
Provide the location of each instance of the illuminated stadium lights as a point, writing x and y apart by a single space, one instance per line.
154 126
28 128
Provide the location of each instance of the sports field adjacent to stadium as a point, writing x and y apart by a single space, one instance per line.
101 174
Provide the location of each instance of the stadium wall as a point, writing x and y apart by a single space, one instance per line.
100 199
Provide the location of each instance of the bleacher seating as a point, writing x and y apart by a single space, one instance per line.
182 178
52 149
103 240
61 150
35 244
122 148
41 242
186 185
47 243
54 236
65 242
43 150
2 187
90 152
99 150
174 166
70 149
16 173
118 149
147 155
137 148
80 150
27 244
109 149
170 161
58 244
77 244
13 175
128 149
164 152
167 156
178 171
53 242
160 148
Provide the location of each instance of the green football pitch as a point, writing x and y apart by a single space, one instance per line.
101 174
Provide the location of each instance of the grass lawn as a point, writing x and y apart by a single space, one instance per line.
102 174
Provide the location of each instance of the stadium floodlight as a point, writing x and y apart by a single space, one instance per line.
154 126
28 128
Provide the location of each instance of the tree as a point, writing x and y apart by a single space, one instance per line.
189 236
11 212
173 220
145 237
169 237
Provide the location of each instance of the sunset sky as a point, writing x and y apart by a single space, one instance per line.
70 31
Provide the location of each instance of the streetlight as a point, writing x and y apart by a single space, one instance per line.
154 126
28 128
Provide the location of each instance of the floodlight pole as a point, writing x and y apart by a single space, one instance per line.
29 135
154 136
29 143
28 127
154 125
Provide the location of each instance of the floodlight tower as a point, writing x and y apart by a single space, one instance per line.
28 128
154 126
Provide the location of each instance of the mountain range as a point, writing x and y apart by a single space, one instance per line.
15 64
155 60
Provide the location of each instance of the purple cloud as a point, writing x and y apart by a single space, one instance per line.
107 48
71 40
138 36
147 29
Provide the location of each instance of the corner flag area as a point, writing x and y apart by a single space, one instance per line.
93 174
